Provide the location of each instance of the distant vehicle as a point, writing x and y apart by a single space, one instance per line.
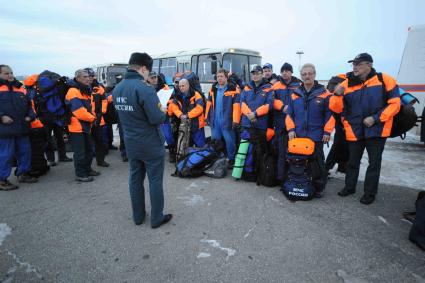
109 74
411 75
205 62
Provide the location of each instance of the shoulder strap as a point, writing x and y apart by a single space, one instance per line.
381 79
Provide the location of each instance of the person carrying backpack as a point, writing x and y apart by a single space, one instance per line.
309 117
49 95
38 134
367 106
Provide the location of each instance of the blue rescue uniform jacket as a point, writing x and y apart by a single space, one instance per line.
362 99
258 100
231 106
308 113
15 103
282 97
140 115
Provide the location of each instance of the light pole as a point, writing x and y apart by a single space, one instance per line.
299 53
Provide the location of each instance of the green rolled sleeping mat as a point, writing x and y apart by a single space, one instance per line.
240 159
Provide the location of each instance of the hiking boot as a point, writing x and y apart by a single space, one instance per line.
346 192
166 219
7 186
94 173
103 164
367 199
66 159
84 179
25 178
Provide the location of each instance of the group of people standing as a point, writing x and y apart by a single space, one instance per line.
269 110
41 114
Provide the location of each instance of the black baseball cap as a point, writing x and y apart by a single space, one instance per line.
256 69
90 71
362 57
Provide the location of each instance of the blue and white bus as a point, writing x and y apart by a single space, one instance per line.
205 62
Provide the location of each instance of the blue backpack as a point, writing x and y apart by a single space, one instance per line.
50 98
196 161
298 184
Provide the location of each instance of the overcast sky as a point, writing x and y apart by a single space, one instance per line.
63 36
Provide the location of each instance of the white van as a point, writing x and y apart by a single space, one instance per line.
107 74
411 75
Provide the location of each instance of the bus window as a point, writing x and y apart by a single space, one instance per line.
168 68
195 64
236 64
180 68
155 66
204 66
186 66
254 61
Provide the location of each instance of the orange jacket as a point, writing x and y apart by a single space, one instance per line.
365 99
81 108
194 109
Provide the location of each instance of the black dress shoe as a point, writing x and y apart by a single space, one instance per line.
409 216
113 147
103 164
94 173
166 219
125 159
346 192
367 199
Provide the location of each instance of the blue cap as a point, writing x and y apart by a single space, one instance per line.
268 65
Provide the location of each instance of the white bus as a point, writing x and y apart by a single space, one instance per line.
411 75
205 62
107 73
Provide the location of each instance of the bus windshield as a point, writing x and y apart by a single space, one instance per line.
240 64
